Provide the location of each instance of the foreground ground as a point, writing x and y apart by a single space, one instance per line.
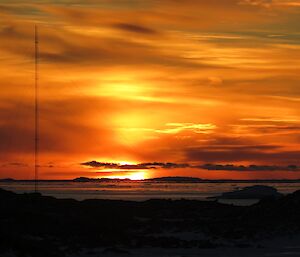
35 225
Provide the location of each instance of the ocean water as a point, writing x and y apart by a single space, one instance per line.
137 191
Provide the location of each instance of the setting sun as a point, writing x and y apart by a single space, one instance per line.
139 175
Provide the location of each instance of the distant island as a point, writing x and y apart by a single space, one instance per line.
7 180
178 179
162 179
175 179
252 192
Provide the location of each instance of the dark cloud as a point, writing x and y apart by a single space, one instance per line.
105 165
71 173
231 167
269 129
169 165
140 166
242 153
65 47
134 28
9 31
233 147
15 164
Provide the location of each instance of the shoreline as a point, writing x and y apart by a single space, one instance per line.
105 180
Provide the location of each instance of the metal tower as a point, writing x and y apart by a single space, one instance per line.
36 120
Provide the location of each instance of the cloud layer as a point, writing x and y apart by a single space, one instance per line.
169 165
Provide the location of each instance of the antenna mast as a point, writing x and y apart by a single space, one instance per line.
36 121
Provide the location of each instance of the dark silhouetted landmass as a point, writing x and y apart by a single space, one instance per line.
7 180
176 179
252 192
36 225
188 180
164 179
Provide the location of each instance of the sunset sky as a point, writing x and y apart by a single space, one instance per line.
135 84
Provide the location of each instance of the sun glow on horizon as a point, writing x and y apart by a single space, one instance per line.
125 173
139 175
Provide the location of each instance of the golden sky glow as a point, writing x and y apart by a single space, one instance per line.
129 81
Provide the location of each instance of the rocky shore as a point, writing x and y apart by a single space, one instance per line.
36 225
